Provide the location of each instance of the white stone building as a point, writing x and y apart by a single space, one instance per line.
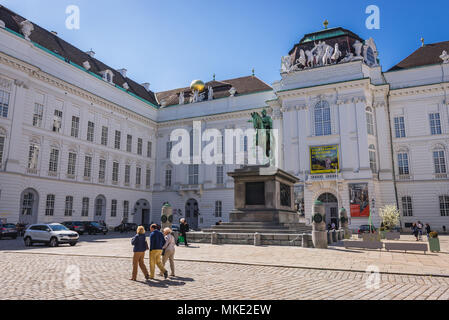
81 141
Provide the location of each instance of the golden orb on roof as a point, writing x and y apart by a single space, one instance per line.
197 85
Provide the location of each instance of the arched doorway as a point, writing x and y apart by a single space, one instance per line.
331 208
142 212
100 208
192 213
29 205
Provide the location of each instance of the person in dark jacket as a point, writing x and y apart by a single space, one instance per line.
183 228
140 246
157 241
428 230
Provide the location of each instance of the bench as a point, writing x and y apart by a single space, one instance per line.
363 244
406 246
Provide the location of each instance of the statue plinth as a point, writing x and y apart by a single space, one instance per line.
263 194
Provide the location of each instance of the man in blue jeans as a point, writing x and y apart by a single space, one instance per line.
157 241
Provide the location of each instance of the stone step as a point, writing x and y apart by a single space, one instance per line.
254 230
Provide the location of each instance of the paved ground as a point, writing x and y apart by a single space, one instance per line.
102 265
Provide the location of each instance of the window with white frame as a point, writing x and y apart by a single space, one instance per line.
2 147
115 172
168 177
138 175
118 136
369 121
71 165
372 158
439 161
322 118
113 208
38 114
399 127
68 206
168 150
90 131
87 166
53 163
403 163
4 103
127 174
149 147
125 209
435 123
74 131
407 208
218 208
219 174
50 205
99 206
33 156
102 170
57 121
104 136
139 146
444 205
193 173
148 179
129 142
85 207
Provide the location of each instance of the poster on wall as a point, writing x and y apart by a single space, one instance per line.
359 200
324 159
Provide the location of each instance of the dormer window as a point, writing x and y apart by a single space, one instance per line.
108 76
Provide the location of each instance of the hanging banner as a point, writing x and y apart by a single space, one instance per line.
324 159
359 200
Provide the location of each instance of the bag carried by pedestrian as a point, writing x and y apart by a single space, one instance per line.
181 239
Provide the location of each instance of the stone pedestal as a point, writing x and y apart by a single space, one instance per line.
344 223
319 232
166 216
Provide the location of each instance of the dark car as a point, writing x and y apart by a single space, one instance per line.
93 227
8 230
125 227
77 226
366 228
174 227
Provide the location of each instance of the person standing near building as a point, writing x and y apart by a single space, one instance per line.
157 241
415 230
428 230
420 227
169 250
183 229
140 246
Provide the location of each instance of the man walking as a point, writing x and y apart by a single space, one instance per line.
183 229
157 241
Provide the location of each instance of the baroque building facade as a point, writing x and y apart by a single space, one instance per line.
80 140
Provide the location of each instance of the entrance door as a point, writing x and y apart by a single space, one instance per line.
331 208
145 216
192 213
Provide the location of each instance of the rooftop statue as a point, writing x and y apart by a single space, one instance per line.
444 56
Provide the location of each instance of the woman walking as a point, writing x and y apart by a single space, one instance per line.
415 230
169 250
140 246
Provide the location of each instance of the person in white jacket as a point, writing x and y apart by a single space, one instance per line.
169 250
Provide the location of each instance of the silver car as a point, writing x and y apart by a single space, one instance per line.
52 234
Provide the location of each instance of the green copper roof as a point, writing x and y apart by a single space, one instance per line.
324 34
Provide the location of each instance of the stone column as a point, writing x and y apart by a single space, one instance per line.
319 233
344 223
166 216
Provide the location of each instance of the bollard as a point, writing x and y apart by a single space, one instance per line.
214 238
305 240
257 241
329 237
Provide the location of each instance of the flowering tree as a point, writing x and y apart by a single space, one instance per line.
389 215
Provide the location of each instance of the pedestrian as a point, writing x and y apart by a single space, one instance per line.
333 226
415 230
140 246
444 229
157 241
420 227
168 250
183 229
428 230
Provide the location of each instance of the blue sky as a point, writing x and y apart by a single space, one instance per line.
171 42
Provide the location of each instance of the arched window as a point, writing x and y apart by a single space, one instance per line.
322 117
372 158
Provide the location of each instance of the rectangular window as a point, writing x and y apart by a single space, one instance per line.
57 121
169 146
139 146
4 103
104 135
149 147
50 205
372 161
218 208
71 166
403 163
407 209
85 207
125 210
370 123
87 166
148 179
138 175
444 205
53 164
68 206
168 178
33 157
127 174
439 161
193 173
115 172
399 127
2 147
129 142
114 208
38 114
102 170
90 131
118 135
219 174
75 126
435 123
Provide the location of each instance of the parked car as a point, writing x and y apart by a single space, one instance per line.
8 230
175 227
21 227
77 226
93 227
126 227
366 228
52 234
